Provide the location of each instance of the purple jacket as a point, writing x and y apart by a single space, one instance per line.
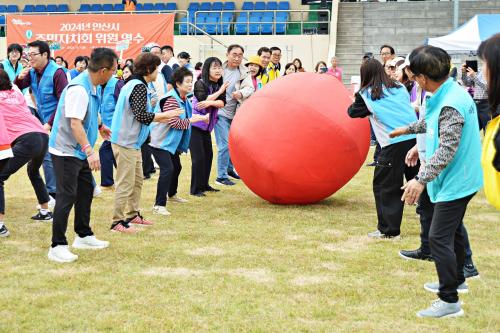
213 114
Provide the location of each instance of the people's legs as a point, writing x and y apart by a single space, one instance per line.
50 178
425 209
376 154
222 140
83 202
134 197
107 163
124 180
162 157
468 250
147 161
66 170
447 248
176 162
197 161
41 140
209 155
483 113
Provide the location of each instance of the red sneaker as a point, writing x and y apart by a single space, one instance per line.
123 228
139 220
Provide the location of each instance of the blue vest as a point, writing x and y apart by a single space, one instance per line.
391 111
172 139
73 73
46 100
108 101
61 137
7 66
126 131
463 176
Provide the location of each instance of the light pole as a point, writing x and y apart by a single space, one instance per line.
456 6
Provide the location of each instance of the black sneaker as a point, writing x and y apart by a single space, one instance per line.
470 271
4 232
233 174
42 217
415 255
211 189
224 181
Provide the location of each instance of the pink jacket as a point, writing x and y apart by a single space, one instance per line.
5 151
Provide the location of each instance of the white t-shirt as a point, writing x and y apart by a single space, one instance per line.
75 106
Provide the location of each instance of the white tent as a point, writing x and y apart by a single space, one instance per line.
468 37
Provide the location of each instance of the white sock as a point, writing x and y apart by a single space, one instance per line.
44 211
1 224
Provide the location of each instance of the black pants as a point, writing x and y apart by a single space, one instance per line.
28 148
147 162
447 246
387 182
74 188
170 169
107 162
483 112
202 155
426 210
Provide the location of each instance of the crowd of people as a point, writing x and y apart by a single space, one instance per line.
151 109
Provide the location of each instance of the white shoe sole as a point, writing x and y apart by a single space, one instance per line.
162 214
460 291
5 234
56 259
451 315
89 247
412 259
474 277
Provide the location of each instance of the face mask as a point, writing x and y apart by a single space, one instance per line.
323 69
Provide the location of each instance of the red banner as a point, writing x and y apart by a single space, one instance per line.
74 35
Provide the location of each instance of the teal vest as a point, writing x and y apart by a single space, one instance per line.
61 136
391 111
108 103
126 131
46 100
172 139
13 73
463 176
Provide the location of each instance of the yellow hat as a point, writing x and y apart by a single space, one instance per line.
255 59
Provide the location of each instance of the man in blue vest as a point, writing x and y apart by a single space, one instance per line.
47 82
452 173
71 145
109 93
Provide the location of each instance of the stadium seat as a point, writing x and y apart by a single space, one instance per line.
138 7
193 6
254 26
205 6
96 7
3 8
148 6
29 8
259 5
217 6
52 8
247 5
227 17
267 23
229 5
85 7
272 5
159 6
2 19
12 9
119 7
107 7
281 19
211 25
284 5
171 6
183 27
63 8
40 8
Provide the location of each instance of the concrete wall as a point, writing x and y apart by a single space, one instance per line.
309 49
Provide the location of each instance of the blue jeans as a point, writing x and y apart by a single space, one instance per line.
224 163
107 163
48 172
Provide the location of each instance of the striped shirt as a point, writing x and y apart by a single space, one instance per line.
479 84
175 122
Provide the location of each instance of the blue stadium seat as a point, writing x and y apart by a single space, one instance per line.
281 19
63 8
243 17
3 9
107 7
12 9
229 5
159 6
119 7
85 7
171 6
240 28
183 27
212 25
52 8
2 19
227 17
254 26
272 5
138 7
29 8
217 6
148 6
205 6
260 5
267 23
284 5
193 6
96 7
247 5
40 8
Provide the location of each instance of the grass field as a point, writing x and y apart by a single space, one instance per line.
231 262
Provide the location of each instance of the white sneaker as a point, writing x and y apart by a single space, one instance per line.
97 191
52 204
61 253
162 210
177 199
89 243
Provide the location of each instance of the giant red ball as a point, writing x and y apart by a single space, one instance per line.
292 142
